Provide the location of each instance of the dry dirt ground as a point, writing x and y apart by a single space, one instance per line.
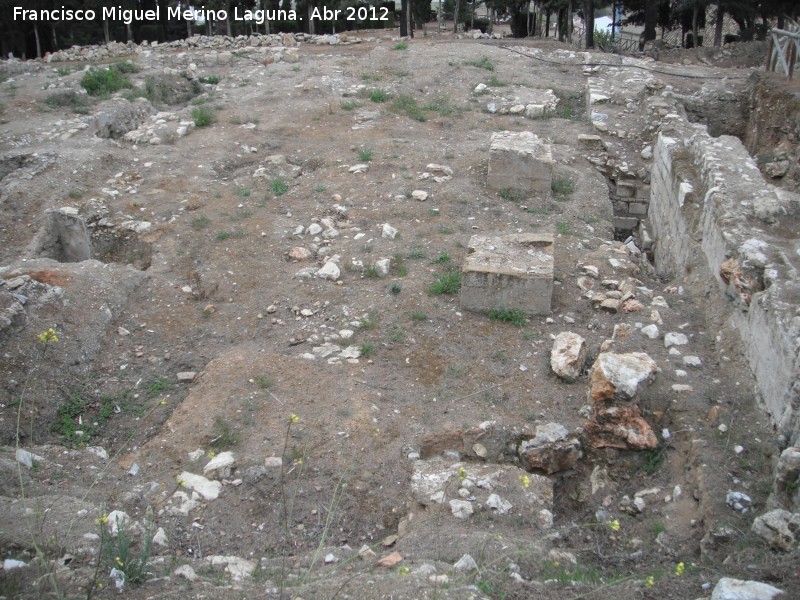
220 296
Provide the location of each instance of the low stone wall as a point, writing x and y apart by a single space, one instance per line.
710 208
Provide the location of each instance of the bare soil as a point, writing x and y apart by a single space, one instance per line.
221 297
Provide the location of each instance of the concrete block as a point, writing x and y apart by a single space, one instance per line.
626 189
521 162
512 271
625 223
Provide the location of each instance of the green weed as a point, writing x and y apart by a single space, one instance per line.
418 316
367 349
400 46
279 186
446 283
200 222
514 316
482 63
378 96
211 79
562 188
104 82
203 116
365 155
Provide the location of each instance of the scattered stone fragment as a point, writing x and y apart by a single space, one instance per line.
390 560
568 355
651 331
738 589
237 568
186 376
388 232
221 465
552 449
160 538
738 501
675 339
27 459
206 488
461 508
779 528
466 563
367 553
620 375
692 361
419 195
498 504
359 168
382 266
9 564
330 270
273 461
185 571
300 253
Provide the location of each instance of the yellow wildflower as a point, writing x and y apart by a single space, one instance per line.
679 568
48 336
119 562
525 481
293 419
211 454
462 473
614 525
403 570
650 581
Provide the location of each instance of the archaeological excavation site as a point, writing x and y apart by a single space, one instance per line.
457 316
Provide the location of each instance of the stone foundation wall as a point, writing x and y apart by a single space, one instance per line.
711 209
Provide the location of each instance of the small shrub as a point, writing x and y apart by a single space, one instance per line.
63 71
562 188
395 288
320 188
416 254
442 259
397 336
514 316
372 272
158 386
126 66
349 105
68 99
419 316
264 382
365 155
224 436
563 228
367 350
482 63
378 96
201 222
495 82
279 186
400 46
570 104
446 283
104 82
407 105
509 195
227 235
211 79
203 116
397 267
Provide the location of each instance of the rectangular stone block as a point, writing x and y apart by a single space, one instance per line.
643 192
637 208
521 162
626 189
625 222
513 271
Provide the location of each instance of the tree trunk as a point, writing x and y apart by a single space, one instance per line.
188 28
694 25
588 13
455 16
613 19
106 33
547 23
569 21
718 25
38 41
55 37
311 28
129 32
403 22
491 21
650 20
410 19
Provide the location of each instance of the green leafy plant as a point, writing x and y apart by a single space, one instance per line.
514 316
350 105
446 283
365 155
378 96
367 349
400 46
407 105
224 435
104 82
203 116
481 63
562 188
200 222
211 79
563 228
510 195
442 259
279 186
418 316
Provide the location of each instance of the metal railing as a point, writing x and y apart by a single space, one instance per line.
784 46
